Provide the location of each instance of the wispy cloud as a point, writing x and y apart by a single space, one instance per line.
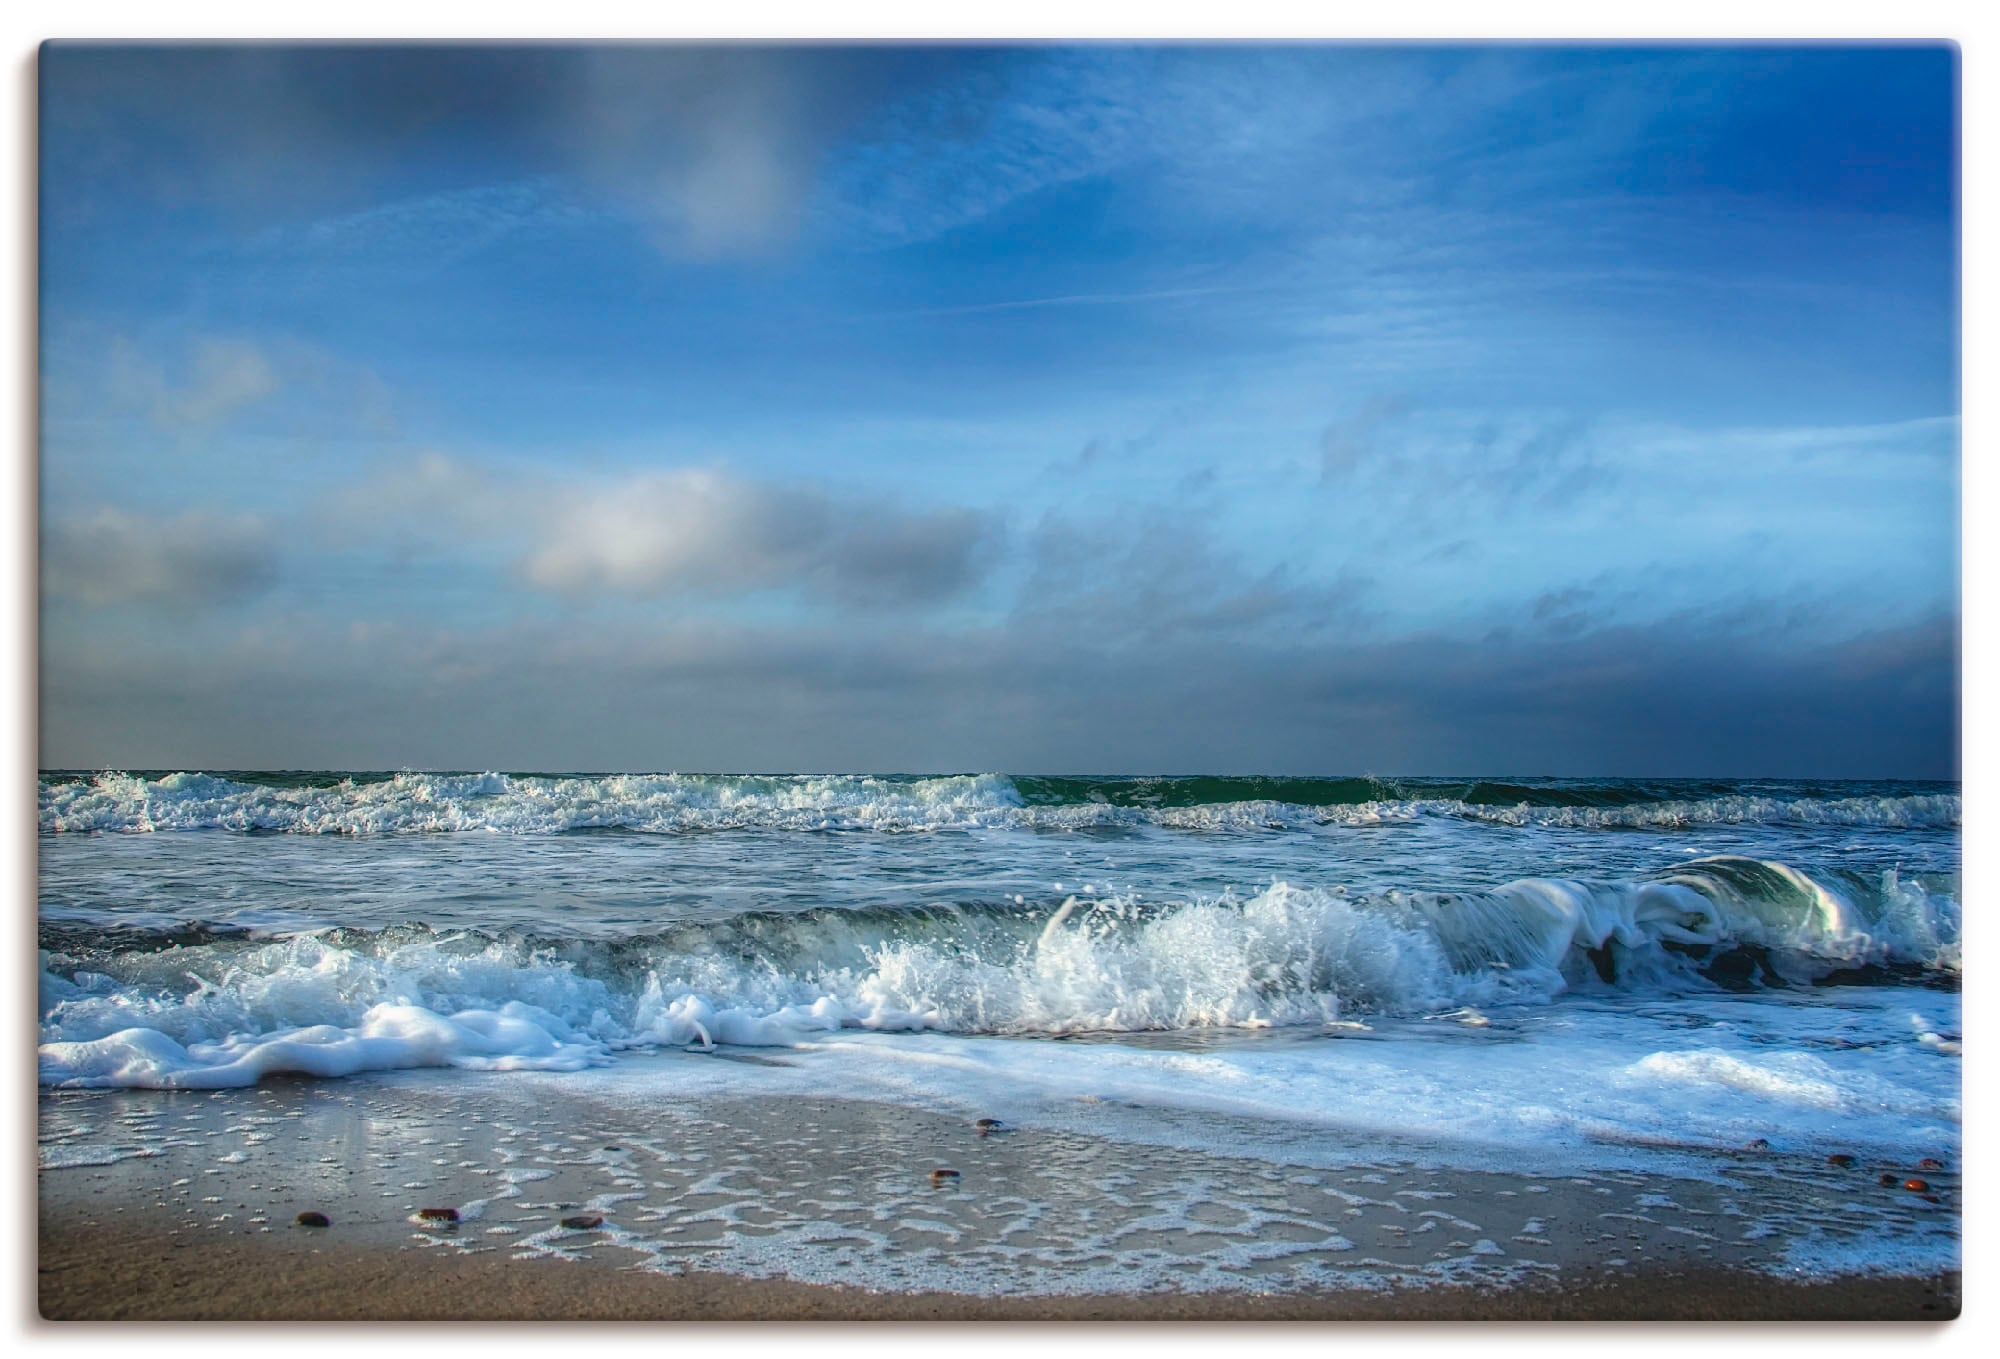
1389 453
218 378
411 236
1068 300
1144 576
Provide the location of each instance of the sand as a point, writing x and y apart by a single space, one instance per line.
181 1206
142 1273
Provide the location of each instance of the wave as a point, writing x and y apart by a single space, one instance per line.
199 1009
528 804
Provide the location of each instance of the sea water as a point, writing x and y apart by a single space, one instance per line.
1557 976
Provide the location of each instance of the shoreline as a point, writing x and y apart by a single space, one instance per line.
181 1205
138 1272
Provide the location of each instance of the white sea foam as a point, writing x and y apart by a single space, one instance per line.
1599 1086
385 1038
1793 1077
78 1155
231 1011
416 803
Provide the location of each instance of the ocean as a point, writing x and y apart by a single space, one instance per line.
1268 994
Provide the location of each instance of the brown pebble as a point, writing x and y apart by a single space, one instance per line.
584 1222
987 1123
1917 1186
942 1176
1840 1158
438 1214
1930 1163
312 1219
1885 1178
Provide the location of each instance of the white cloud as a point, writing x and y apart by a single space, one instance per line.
692 530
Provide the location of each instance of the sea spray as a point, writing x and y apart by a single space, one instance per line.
118 1009
421 803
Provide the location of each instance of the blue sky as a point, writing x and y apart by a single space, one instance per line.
1314 408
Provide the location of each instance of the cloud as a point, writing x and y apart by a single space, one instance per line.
1563 611
113 556
218 378
702 530
1073 300
1147 576
1353 442
713 149
698 531
1427 469
411 236
716 148
1689 697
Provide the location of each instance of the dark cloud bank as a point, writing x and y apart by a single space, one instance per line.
1045 694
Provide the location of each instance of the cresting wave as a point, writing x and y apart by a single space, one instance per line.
411 803
224 1010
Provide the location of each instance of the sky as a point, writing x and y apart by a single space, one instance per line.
1293 409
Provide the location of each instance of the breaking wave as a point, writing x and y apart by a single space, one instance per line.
529 804
215 1008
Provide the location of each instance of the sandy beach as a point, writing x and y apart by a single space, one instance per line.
161 1205
146 1272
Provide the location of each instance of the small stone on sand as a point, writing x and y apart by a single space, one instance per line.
1917 1186
438 1214
1840 1158
1930 1163
584 1222
312 1219
942 1176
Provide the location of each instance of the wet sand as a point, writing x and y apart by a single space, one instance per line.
141 1273
181 1205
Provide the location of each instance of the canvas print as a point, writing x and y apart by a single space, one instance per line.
1051 681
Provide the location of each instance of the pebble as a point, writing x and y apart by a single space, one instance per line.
1885 1178
584 1222
1930 1163
1758 1144
942 1176
438 1214
1916 1186
1840 1158
312 1219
